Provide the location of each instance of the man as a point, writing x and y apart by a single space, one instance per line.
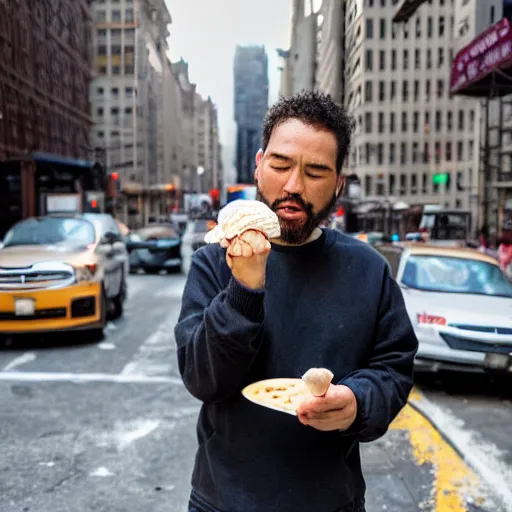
316 298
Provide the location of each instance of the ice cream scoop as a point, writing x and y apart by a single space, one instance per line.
240 216
318 380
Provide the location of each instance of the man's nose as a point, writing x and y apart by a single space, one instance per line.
295 183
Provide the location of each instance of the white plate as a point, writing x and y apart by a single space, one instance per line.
24 307
275 393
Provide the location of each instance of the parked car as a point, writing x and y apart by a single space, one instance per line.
154 248
62 273
196 231
459 302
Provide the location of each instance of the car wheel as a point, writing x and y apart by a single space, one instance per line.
118 301
98 334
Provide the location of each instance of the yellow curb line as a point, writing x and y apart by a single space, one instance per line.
452 478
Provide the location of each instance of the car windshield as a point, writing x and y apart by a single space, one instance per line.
455 275
51 231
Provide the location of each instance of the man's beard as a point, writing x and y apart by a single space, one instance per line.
296 232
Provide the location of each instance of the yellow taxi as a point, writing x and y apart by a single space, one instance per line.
62 273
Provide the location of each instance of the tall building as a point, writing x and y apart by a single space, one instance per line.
329 76
45 70
251 104
127 96
414 144
207 145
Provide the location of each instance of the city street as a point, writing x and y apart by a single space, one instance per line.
108 426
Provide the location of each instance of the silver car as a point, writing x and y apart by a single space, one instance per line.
460 304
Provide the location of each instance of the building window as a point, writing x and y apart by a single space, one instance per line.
381 122
417 59
416 90
471 118
382 91
438 152
128 111
418 27
424 180
430 27
101 135
416 122
392 184
368 91
114 111
403 153
414 184
380 154
392 156
405 91
404 122
426 154
99 112
369 28
100 91
440 88
128 91
403 184
368 153
441 26
392 122
448 150
116 70
427 122
129 69
382 31
492 15
382 60
368 122
102 49
440 57
128 15
415 152
406 59
393 59
115 91
116 15
429 58
368 185
460 151
101 16
393 90
369 60
115 49
449 121
438 120
461 120
471 149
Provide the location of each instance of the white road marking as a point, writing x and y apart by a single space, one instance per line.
86 377
126 435
106 345
27 357
47 464
111 326
151 359
484 456
102 471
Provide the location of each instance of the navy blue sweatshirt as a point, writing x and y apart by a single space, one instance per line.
327 304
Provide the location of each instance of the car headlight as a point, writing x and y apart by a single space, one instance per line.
87 273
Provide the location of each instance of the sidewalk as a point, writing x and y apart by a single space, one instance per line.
412 469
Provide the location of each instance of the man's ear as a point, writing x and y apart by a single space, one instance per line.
340 184
259 156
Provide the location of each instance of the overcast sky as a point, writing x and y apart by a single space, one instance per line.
206 32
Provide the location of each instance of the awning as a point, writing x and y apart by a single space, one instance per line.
39 156
483 68
407 10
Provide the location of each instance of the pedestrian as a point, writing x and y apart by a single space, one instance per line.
505 250
316 298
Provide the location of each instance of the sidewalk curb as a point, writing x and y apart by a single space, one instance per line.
497 480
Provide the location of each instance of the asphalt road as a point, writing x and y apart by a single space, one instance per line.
108 426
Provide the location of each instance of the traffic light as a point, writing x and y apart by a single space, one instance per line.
115 176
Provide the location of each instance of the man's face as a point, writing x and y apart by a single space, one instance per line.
297 178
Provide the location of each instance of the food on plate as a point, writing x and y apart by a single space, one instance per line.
240 216
279 394
318 380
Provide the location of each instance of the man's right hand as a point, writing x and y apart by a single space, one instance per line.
247 256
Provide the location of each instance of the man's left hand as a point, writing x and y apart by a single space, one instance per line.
336 410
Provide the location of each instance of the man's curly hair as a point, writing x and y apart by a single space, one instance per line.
315 109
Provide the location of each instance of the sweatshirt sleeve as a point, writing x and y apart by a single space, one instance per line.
383 387
218 334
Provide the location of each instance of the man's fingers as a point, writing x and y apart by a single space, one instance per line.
256 240
247 250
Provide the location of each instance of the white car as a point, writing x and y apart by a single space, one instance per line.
460 304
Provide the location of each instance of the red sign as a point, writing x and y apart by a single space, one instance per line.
492 49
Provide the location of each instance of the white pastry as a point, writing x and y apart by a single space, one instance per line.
318 380
240 216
